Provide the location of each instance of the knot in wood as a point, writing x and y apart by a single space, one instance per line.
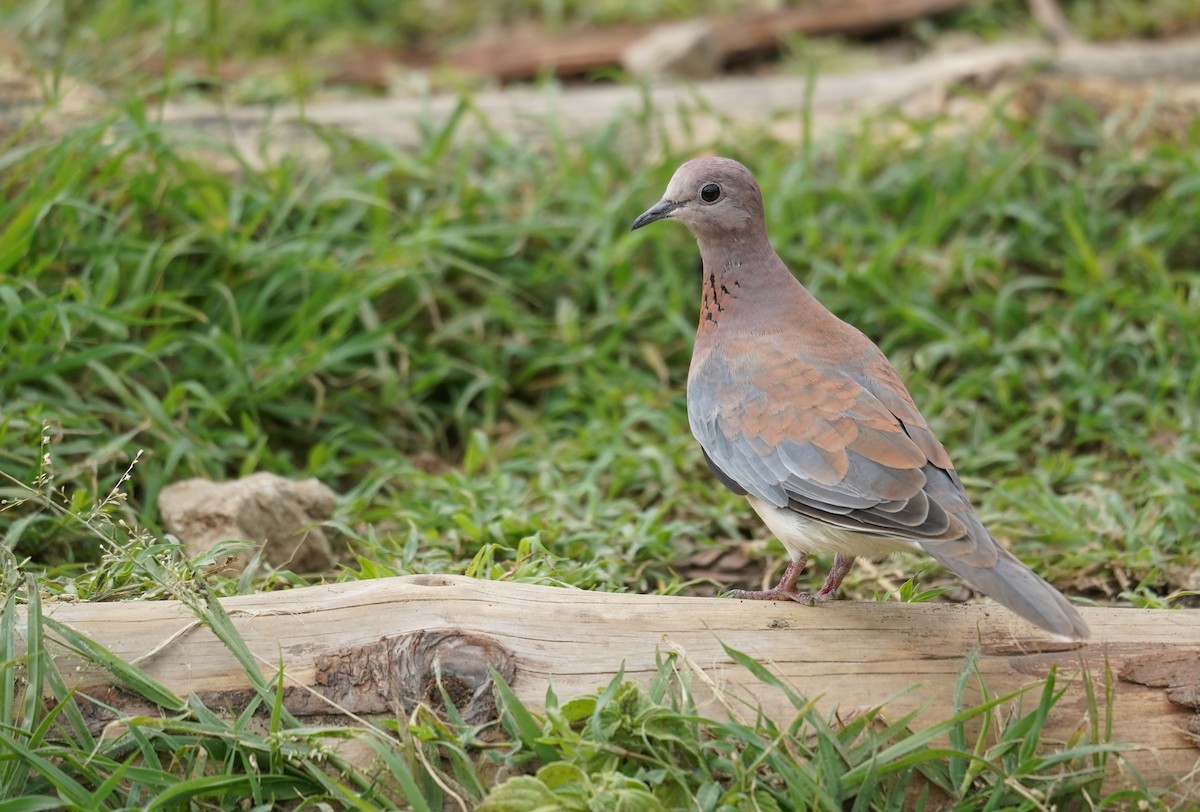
428 668
436 667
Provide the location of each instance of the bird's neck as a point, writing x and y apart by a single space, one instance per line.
747 276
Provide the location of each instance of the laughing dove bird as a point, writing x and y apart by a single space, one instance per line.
803 415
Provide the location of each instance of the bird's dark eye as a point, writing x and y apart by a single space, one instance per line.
710 192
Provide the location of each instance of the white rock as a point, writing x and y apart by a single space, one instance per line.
686 49
280 514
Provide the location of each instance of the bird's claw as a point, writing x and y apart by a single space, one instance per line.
813 598
777 594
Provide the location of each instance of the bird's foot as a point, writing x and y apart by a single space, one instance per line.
781 594
813 598
786 590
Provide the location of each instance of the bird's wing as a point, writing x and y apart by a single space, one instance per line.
844 445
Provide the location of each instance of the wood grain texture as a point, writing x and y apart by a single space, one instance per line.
365 644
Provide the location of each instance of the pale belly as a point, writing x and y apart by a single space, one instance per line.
799 535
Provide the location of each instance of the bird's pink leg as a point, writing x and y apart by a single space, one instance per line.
837 574
786 588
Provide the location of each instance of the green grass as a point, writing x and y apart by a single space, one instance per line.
471 347
476 352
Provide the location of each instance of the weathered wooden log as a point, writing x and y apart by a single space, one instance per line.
685 113
508 56
369 648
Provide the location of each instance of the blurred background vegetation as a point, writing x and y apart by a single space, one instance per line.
87 31
259 49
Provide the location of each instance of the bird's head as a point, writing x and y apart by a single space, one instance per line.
712 197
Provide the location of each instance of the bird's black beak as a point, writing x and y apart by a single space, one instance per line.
658 211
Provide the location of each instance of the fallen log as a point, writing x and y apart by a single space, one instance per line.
370 648
510 57
686 114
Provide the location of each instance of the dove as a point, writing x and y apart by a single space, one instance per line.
803 415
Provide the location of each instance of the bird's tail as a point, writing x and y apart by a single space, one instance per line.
1003 577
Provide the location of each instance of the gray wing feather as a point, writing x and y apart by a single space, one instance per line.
864 500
